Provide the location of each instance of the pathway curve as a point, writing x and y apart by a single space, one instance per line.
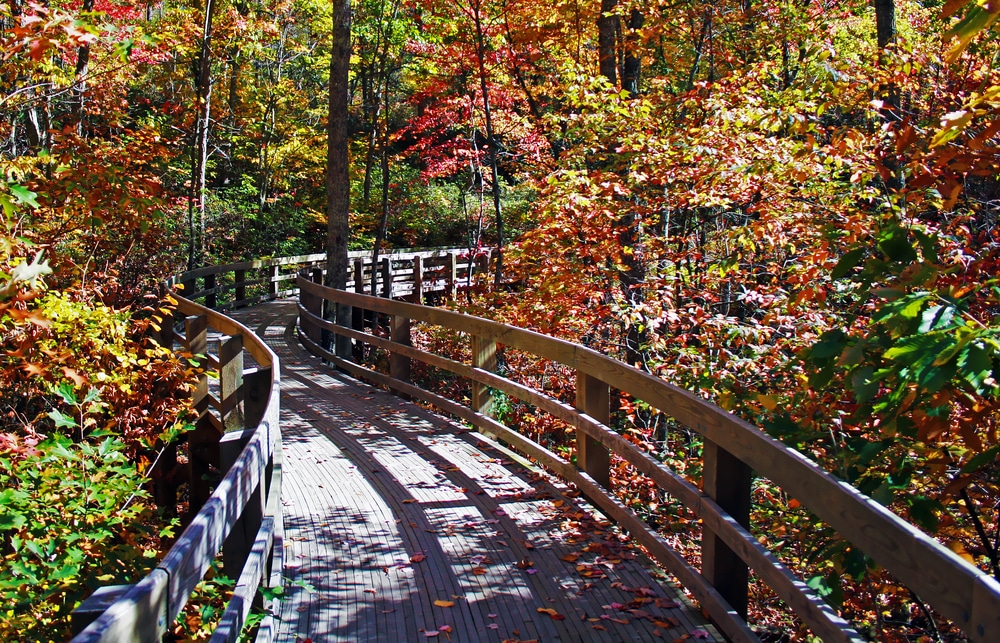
403 526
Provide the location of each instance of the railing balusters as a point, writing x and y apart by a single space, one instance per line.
451 274
210 298
231 382
726 480
418 280
386 277
484 356
593 397
399 332
240 286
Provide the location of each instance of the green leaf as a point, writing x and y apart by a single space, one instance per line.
23 195
66 392
981 459
895 244
924 511
847 263
61 419
830 344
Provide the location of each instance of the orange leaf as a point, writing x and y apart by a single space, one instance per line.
556 616
441 603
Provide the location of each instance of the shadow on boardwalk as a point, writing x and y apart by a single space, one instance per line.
400 524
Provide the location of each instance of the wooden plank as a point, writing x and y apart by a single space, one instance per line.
249 581
726 480
241 538
231 382
140 616
593 397
484 357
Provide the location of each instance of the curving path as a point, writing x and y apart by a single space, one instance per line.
401 525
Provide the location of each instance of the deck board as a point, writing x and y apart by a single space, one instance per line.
389 507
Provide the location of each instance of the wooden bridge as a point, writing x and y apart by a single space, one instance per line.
383 521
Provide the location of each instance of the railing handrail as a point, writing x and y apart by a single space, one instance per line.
145 611
963 593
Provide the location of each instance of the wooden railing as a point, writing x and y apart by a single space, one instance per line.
236 435
733 450
399 274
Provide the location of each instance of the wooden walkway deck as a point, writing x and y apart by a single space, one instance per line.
401 525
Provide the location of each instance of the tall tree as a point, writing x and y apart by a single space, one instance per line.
338 180
199 158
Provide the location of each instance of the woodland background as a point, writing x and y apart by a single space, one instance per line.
787 206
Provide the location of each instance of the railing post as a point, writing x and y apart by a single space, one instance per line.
418 279
314 304
203 441
231 382
484 356
256 389
386 277
272 281
241 287
726 480
210 299
399 332
240 541
451 274
357 313
593 397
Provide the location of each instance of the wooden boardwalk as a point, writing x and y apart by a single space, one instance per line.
402 526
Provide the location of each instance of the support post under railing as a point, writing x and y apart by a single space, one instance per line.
451 274
203 441
272 281
314 304
231 382
210 298
386 277
418 279
357 313
484 356
240 541
726 480
241 287
399 332
593 397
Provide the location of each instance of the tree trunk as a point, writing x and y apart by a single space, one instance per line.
607 41
491 142
80 78
633 61
338 185
196 197
885 27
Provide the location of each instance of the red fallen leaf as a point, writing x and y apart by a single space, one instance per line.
663 603
668 622
554 615
682 638
528 545
370 591
409 501
417 558
599 627
524 563
622 621
478 571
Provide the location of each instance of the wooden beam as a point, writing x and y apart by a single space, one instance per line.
726 480
593 397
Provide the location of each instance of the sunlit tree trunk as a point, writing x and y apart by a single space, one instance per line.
338 186
493 152
196 197
885 27
80 79
607 41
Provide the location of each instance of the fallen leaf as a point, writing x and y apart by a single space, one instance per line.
431 633
493 626
409 501
478 571
443 603
417 558
370 591
570 558
554 615
668 622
